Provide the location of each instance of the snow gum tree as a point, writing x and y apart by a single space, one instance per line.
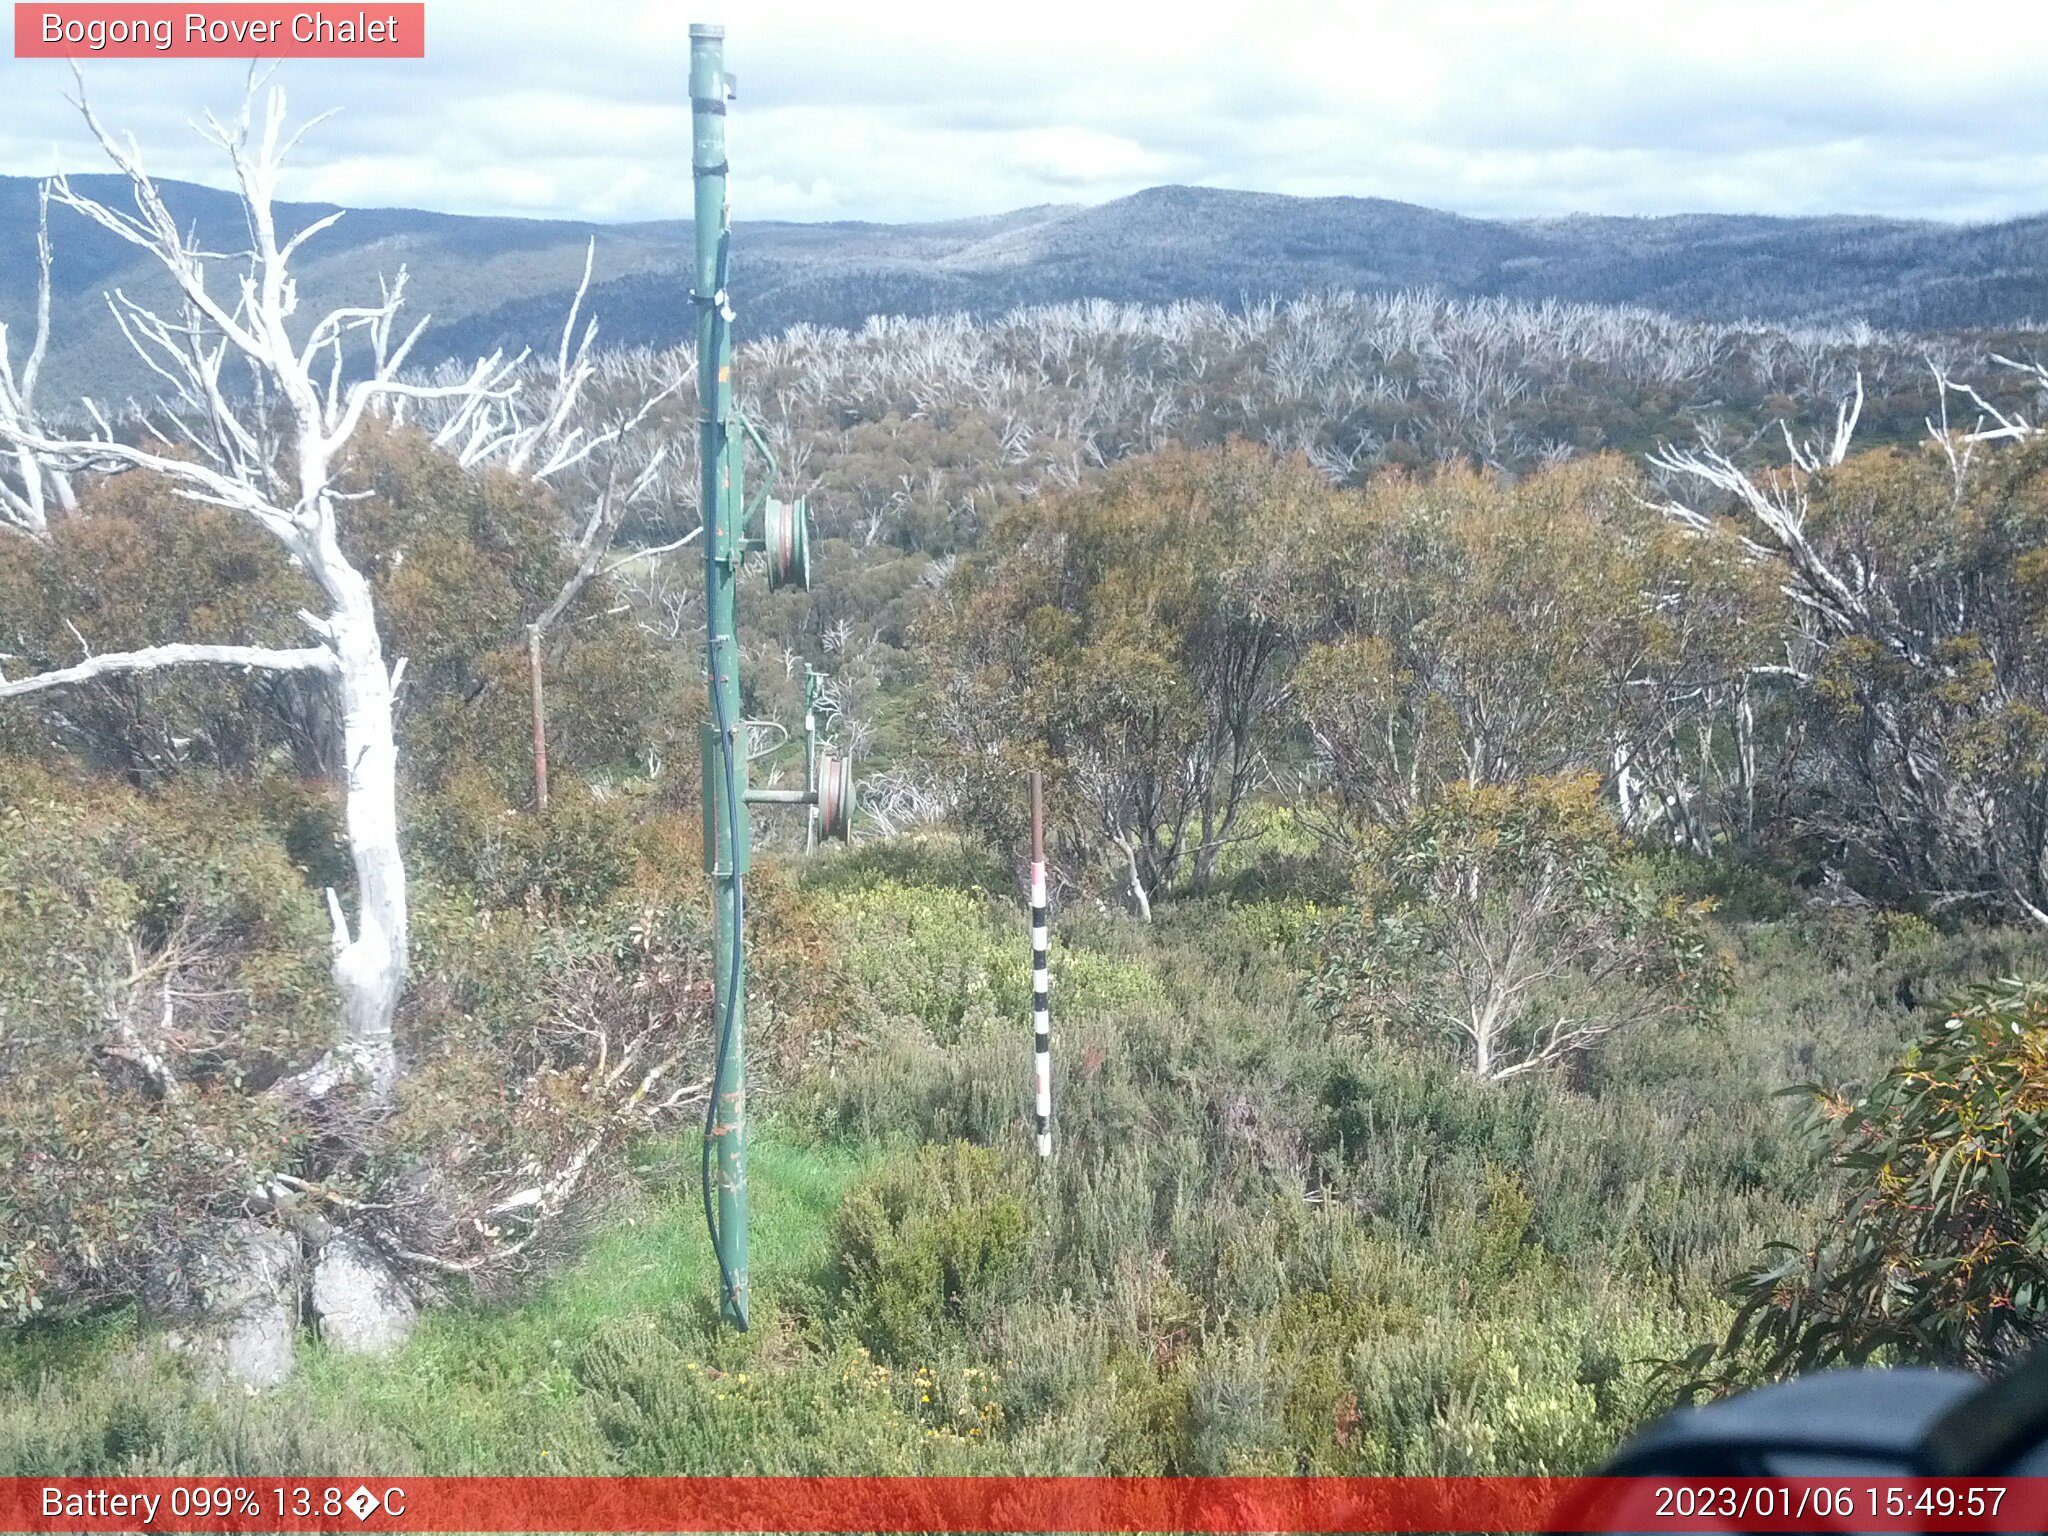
259 410
1138 642
1914 581
1508 919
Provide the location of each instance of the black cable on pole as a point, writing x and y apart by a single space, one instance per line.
732 985
721 315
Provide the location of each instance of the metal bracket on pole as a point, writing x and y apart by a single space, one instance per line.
828 779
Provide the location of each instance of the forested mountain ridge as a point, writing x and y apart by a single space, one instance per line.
501 281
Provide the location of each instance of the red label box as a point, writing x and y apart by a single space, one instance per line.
263 31
1221 1506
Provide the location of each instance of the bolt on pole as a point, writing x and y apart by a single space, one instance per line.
725 815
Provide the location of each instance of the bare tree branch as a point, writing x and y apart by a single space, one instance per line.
24 506
154 658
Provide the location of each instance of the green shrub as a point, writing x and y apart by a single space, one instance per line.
138 1411
668 1403
1508 920
526 1036
924 1238
159 959
929 956
144 567
574 857
162 963
1148 1419
1934 1254
934 861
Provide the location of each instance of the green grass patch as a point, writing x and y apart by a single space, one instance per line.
502 1385
480 1388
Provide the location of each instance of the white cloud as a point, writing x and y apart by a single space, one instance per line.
1080 157
909 109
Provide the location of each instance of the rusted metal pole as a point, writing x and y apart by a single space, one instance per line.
1037 818
1041 977
540 720
811 758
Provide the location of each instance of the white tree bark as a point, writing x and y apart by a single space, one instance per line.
1779 506
25 501
1141 900
369 965
311 659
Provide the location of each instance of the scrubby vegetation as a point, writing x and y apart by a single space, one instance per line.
1263 1245
1935 1252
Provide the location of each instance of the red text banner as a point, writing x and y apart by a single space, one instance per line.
218 31
990 1504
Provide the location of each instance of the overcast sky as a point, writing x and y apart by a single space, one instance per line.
900 111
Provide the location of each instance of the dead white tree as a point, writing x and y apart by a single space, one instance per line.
896 801
1992 424
272 455
1778 503
25 500
1953 827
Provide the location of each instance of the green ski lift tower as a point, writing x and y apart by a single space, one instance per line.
784 542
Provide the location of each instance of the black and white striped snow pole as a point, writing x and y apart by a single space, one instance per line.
1041 979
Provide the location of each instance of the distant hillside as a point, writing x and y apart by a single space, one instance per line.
491 282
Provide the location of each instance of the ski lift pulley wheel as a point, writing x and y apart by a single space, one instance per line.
835 796
786 532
